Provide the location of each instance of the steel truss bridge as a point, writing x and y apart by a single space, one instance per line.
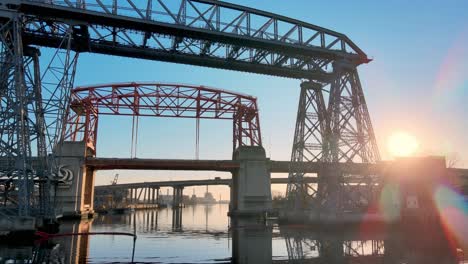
333 123
161 100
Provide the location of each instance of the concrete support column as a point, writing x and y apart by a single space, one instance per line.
130 193
75 196
177 196
140 192
138 196
157 196
145 196
131 196
151 194
181 196
251 189
135 198
148 196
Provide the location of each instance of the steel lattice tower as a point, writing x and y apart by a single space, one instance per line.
32 112
309 145
333 126
16 99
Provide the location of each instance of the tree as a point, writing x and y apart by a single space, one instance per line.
452 159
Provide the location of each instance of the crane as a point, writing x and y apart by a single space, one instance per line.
116 177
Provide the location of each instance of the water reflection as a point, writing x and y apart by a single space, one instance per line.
396 247
203 234
67 250
251 241
177 219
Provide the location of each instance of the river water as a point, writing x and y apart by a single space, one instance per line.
204 234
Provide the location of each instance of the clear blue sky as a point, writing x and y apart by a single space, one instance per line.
418 82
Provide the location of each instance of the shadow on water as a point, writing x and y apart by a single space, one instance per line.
205 235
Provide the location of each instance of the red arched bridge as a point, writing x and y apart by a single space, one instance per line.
161 100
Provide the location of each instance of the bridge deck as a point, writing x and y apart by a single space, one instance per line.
184 183
217 165
461 175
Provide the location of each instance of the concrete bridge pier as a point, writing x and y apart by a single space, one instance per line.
130 196
147 199
134 195
75 195
157 202
250 189
177 197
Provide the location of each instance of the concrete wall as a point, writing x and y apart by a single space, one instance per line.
251 187
75 195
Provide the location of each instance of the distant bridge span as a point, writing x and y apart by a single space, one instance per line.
187 183
458 176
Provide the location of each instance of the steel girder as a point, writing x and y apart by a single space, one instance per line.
199 32
161 100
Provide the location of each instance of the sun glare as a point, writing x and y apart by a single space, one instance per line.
402 144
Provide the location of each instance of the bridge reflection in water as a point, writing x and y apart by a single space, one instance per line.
203 233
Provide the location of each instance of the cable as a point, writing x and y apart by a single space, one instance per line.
134 145
197 139
133 136
136 135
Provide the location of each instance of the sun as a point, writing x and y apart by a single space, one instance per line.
402 144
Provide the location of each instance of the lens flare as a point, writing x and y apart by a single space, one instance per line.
402 144
453 213
389 203
453 68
